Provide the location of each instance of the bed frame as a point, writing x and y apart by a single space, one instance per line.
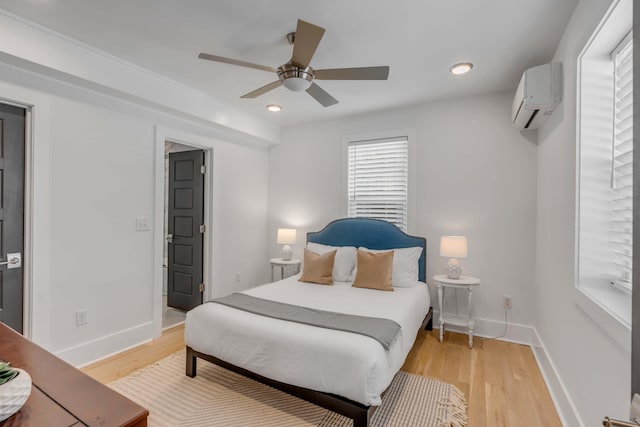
372 234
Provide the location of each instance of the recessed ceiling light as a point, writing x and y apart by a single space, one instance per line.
461 68
274 107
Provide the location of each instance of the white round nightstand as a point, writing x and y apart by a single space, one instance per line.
464 282
292 265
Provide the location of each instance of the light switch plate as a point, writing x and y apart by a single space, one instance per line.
82 317
142 223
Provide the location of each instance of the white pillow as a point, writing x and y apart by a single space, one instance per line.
406 271
345 261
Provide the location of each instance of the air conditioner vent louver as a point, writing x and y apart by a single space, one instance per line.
533 116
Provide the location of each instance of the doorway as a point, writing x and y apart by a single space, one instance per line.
189 142
12 188
183 230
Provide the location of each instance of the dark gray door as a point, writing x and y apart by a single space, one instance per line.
12 133
185 218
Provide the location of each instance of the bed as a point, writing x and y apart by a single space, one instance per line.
341 371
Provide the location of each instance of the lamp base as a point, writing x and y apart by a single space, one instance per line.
454 270
286 253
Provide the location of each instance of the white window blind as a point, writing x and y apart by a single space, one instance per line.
622 169
378 179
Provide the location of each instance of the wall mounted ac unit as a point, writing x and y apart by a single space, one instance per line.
538 94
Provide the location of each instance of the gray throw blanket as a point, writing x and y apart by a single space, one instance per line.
384 331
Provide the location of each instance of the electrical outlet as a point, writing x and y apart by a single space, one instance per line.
507 302
237 277
82 317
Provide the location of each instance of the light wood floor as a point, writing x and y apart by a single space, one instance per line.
123 364
501 380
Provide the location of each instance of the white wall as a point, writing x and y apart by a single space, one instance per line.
98 171
241 220
100 179
594 368
475 176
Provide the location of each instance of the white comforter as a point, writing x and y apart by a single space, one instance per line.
347 364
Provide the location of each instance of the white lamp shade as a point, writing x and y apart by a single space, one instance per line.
286 236
296 84
453 246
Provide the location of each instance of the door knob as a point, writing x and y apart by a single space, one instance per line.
169 238
610 422
13 261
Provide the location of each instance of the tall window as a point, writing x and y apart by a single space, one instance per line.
605 170
378 179
622 165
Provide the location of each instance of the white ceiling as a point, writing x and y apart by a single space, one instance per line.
418 39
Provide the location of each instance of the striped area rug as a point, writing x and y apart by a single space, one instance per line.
218 397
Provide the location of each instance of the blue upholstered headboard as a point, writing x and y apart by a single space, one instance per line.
372 234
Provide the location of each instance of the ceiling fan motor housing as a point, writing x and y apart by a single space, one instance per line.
295 78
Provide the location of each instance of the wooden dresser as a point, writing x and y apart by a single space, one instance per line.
62 395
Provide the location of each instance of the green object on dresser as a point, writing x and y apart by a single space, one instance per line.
7 373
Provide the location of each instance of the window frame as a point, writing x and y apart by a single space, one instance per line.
606 304
408 133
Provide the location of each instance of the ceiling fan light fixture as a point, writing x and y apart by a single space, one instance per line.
461 68
296 84
274 107
294 78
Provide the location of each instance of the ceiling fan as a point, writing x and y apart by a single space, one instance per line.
296 75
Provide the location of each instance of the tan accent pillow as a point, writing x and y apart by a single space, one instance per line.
374 270
318 268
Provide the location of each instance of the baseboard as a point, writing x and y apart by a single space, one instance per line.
516 333
166 328
564 405
94 350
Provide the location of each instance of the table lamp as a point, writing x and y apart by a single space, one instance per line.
453 247
286 237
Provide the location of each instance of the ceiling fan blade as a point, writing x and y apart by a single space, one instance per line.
262 90
321 96
363 73
231 61
306 42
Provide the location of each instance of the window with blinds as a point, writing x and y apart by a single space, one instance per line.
604 160
378 179
622 167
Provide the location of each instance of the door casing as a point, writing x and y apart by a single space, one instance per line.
197 142
27 263
13 140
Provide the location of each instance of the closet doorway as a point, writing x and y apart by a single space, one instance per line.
184 229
